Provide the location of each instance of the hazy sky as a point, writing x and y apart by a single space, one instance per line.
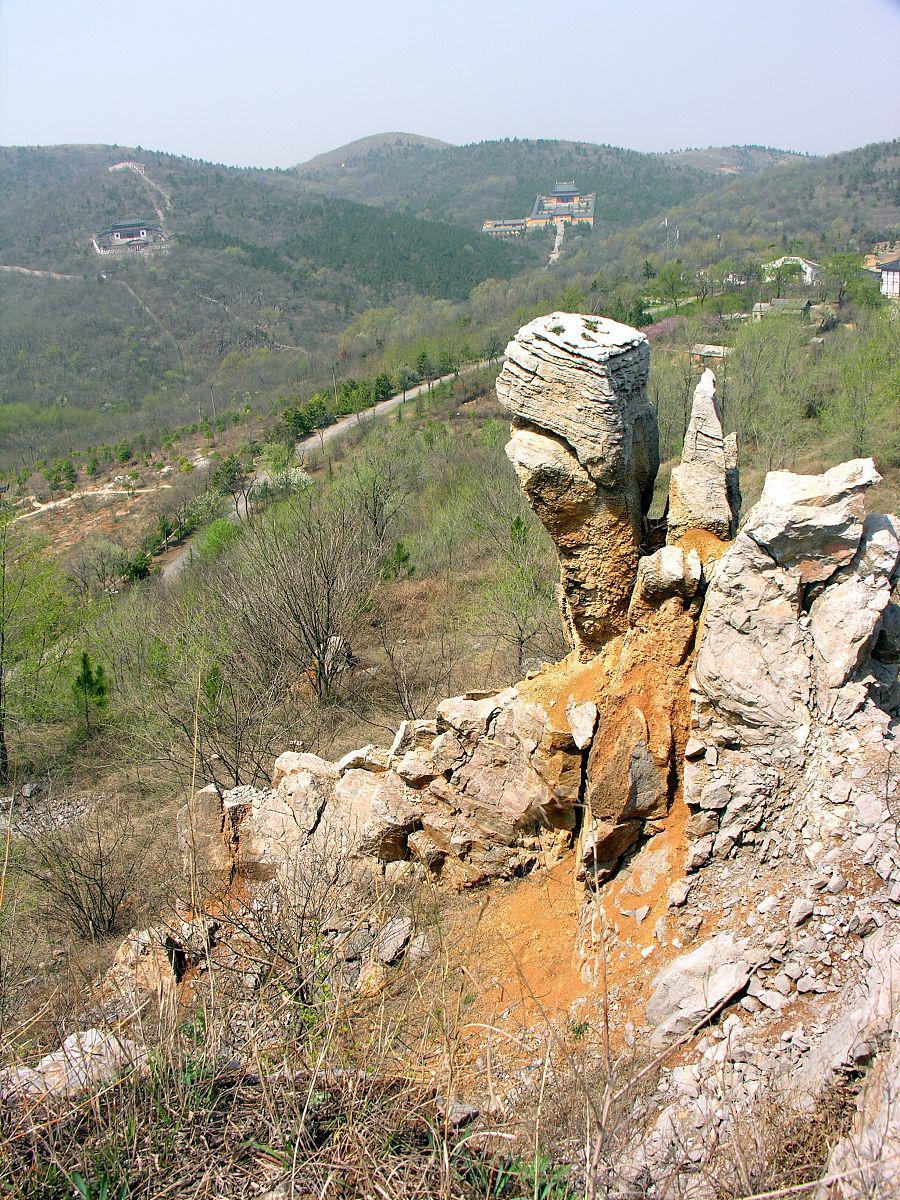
272 82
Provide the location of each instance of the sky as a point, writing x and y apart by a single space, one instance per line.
273 82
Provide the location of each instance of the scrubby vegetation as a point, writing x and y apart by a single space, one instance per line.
268 599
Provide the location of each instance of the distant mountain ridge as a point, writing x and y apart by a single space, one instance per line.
733 160
467 184
500 178
374 142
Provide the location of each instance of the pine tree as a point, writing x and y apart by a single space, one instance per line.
90 688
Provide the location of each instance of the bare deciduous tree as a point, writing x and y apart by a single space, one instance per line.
301 586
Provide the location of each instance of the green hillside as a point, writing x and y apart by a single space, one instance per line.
814 206
501 178
260 279
52 200
269 285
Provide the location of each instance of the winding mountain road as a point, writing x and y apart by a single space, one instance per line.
316 441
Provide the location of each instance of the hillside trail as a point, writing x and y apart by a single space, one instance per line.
557 245
316 441
38 274
103 491
140 171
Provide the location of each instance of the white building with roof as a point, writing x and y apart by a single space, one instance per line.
809 270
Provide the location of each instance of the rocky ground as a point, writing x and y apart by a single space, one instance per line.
679 846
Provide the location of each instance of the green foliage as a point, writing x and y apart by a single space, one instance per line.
216 538
392 253
37 612
91 689
139 567
102 1188
506 1178
863 409
673 282
398 564
846 280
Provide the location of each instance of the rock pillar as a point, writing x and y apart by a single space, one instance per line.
585 447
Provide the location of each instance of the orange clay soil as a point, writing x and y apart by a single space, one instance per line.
522 949
526 952
572 680
707 545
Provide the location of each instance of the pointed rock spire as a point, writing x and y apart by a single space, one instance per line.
704 491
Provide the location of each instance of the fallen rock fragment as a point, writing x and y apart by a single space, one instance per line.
695 985
85 1060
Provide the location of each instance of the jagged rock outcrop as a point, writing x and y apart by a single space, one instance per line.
585 448
704 492
485 790
792 778
784 667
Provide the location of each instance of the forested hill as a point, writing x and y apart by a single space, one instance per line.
732 160
850 196
53 199
261 278
818 206
501 178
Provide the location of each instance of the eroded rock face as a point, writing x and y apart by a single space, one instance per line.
585 447
147 968
703 492
784 665
695 985
478 793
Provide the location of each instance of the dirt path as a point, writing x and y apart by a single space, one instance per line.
557 245
37 274
102 492
140 171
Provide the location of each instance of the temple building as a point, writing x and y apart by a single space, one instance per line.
130 235
565 203
504 227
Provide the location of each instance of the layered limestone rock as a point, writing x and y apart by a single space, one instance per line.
486 790
704 491
585 448
782 941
